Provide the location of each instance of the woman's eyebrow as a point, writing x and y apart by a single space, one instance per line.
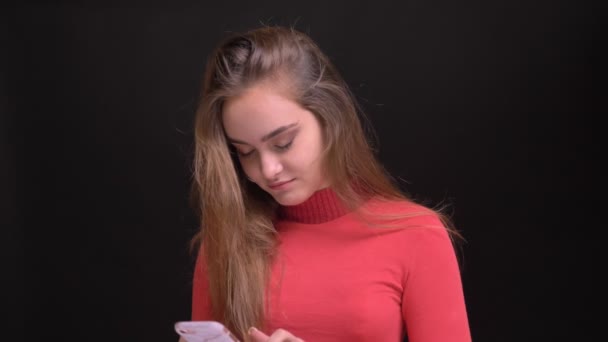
268 136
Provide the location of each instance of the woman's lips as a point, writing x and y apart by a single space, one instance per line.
279 185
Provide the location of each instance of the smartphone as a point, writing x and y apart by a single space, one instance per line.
204 331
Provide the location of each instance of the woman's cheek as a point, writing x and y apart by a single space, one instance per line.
249 170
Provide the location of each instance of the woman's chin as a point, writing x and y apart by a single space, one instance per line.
290 199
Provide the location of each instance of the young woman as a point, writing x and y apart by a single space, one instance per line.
303 234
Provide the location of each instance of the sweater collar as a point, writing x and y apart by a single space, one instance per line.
323 206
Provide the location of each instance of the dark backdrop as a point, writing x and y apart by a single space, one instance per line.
485 105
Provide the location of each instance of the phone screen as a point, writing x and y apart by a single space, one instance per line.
204 331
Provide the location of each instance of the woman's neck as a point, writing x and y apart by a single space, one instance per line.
324 205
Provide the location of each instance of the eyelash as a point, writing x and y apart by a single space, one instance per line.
284 147
281 148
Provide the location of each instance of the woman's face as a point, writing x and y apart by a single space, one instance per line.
279 143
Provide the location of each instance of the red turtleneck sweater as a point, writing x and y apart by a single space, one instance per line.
337 278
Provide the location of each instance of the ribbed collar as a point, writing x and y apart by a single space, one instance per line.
324 205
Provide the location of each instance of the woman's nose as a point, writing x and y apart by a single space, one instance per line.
270 166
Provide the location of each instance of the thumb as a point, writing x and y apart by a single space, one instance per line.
257 336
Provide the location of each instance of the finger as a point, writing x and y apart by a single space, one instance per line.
257 336
282 335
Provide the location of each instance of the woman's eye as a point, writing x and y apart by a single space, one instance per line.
244 154
284 146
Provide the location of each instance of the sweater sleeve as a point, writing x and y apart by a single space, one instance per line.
201 303
433 303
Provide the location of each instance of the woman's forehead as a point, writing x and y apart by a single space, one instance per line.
259 111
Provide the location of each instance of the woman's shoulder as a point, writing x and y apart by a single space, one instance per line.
401 210
413 219
408 225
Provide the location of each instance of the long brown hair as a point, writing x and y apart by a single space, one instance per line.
236 216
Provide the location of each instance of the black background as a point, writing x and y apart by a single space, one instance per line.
486 105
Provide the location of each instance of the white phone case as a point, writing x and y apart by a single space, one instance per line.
204 331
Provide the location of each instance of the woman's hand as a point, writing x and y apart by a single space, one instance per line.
279 335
